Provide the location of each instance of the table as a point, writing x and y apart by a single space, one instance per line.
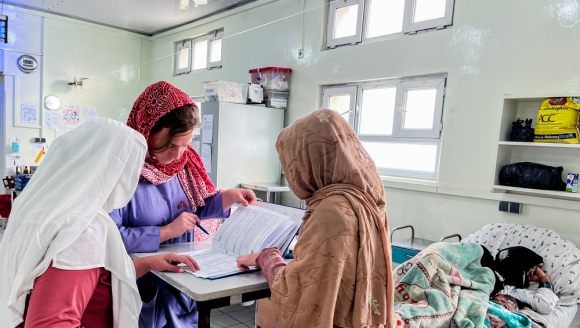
269 187
211 294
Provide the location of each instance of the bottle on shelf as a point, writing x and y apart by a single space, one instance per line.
26 170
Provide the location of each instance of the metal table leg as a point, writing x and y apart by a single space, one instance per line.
204 315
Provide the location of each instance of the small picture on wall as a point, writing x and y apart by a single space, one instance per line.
29 114
71 115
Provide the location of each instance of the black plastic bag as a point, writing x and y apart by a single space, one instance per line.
522 133
532 175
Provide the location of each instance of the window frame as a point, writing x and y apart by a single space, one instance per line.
183 45
408 27
193 52
438 23
332 42
213 36
331 91
435 131
190 43
415 136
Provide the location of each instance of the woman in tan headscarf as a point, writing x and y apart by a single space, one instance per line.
341 272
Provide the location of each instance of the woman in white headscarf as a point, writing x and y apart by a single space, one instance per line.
63 262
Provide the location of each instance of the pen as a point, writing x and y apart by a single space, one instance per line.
199 225
202 229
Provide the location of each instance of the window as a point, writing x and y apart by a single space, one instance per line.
214 49
200 53
354 21
399 122
183 61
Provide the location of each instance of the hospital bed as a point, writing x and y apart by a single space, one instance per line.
561 257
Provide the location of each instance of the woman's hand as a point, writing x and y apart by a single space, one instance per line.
538 275
164 262
246 261
185 222
244 197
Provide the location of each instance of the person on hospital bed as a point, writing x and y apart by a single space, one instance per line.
537 302
63 261
174 193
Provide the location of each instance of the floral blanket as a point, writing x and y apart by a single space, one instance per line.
443 286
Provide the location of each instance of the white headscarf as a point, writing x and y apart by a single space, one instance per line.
87 173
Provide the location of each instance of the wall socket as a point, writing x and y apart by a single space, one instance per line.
301 53
509 207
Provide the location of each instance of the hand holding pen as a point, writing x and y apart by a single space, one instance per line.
185 222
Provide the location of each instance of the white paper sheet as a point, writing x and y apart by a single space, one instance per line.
246 230
207 131
71 116
37 148
295 214
12 160
91 114
29 114
213 264
206 157
52 119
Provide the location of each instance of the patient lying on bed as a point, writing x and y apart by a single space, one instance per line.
537 302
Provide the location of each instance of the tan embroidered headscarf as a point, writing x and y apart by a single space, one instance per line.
341 272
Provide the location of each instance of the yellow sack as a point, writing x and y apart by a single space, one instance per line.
557 121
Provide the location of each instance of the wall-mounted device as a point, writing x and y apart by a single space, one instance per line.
4 28
510 207
52 102
78 82
27 64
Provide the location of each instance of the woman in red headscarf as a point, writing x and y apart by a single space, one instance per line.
174 194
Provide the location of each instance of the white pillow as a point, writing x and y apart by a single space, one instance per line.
561 257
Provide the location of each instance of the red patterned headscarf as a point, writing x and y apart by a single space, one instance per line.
157 100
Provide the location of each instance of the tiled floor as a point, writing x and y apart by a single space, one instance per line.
234 316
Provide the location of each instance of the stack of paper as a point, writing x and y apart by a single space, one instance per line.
249 230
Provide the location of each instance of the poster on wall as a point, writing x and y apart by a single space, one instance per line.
71 116
29 114
13 160
91 114
52 119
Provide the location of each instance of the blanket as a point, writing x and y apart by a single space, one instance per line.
443 286
511 319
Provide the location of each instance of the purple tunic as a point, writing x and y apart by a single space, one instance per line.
154 206
139 223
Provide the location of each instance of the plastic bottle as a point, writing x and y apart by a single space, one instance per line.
16 146
26 170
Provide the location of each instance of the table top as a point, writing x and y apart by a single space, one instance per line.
265 186
201 289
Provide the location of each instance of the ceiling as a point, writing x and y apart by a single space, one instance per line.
148 17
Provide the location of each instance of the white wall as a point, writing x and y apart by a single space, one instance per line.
495 47
66 49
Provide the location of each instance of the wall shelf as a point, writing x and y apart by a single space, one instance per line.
536 192
552 154
539 144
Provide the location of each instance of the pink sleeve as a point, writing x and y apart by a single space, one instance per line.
270 261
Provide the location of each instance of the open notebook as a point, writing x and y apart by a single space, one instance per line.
248 230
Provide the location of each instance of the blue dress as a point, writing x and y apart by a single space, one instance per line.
140 222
